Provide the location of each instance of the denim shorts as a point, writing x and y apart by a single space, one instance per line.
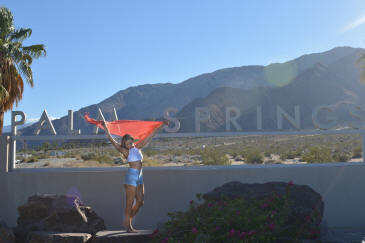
133 177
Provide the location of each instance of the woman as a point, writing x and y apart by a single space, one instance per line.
133 181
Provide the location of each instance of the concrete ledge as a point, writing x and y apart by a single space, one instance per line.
122 236
187 168
54 237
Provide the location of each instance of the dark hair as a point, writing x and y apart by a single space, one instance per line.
125 138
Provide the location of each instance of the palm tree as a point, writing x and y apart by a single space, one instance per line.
15 61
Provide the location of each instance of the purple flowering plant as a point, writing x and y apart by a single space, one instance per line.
235 220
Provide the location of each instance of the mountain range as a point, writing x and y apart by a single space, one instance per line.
328 78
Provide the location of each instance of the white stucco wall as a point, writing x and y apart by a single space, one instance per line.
171 188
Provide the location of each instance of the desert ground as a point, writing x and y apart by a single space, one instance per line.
187 151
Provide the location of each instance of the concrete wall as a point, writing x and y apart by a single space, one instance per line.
170 189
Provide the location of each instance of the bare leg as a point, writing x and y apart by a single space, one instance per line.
130 193
139 200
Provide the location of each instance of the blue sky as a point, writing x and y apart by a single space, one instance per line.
96 48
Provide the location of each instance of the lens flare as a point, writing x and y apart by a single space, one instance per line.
73 193
281 74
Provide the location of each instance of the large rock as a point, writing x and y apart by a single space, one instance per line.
6 234
56 213
54 237
304 199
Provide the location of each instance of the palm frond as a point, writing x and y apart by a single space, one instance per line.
26 71
20 34
35 51
4 94
15 60
13 84
6 22
13 49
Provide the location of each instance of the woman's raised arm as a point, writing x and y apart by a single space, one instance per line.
148 139
111 139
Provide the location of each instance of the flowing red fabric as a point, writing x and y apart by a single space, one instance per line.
137 129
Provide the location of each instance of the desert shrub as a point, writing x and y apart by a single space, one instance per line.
70 155
290 154
253 157
43 156
357 152
298 153
89 156
31 159
214 156
105 158
317 154
236 221
283 155
101 158
151 162
114 153
341 157
178 152
150 152
267 153
193 151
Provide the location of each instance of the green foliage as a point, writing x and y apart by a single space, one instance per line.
16 58
105 158
71 155
88 156
267 153
235 221
253 156
150 152
214 156
150 162
43 156
317 155
357 152
286 155
173 152
341 157
31 159
193 151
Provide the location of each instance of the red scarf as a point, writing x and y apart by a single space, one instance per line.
137 129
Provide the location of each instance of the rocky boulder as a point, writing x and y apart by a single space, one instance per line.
6 234
304 200
57 213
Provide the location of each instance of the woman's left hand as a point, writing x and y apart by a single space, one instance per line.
104 125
